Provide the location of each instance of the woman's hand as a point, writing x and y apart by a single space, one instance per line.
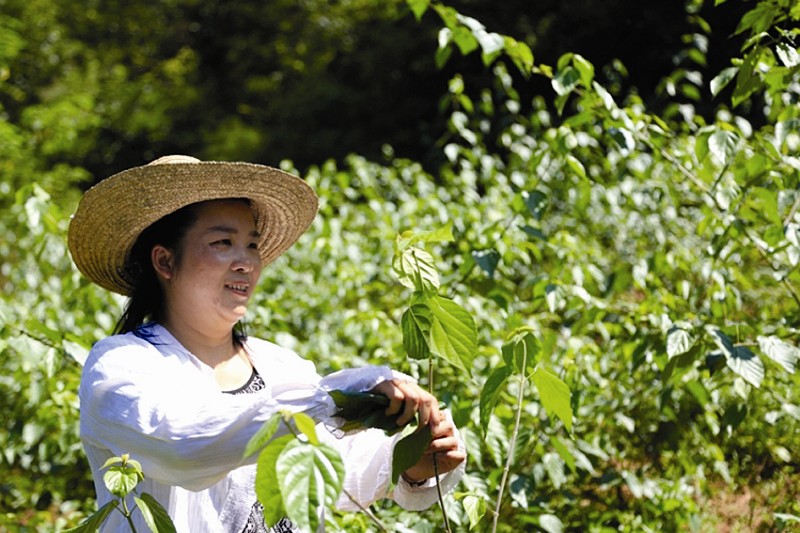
408 400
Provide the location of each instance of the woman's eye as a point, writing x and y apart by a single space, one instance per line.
223 242
254 245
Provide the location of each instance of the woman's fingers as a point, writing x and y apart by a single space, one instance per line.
409 400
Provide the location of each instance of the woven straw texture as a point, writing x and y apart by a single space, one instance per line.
114 212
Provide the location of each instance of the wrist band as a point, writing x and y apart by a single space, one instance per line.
414 483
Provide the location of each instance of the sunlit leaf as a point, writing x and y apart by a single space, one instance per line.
554 395
416 270
679 341
781 352
93 523
747 365
310 479
475 507
120 480
154 514
267 488
453 333
307 426
263 435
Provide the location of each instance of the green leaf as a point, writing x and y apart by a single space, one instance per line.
586 70
154 514
554 394
120 480
490 394
416 326
787 54
679 341
565 81
95 520
408 451
747 81
465 40
453 333
781 352
408 238
564 452
575 165
747 365
416 270
551 523
521 349
364 410
722 144
487 260
722 79
268 490
263 435
475 507
418 7
307 427
536 201
310 479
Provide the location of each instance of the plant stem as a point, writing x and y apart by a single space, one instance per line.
512 442
127 514
435 463
367 512
441 497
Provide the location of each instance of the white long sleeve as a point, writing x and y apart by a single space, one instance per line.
157 402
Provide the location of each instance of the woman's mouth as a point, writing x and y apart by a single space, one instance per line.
238 288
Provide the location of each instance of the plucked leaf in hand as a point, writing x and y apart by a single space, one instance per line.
408 451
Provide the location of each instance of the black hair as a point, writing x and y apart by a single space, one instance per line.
146 299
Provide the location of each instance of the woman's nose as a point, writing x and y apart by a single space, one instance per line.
247 261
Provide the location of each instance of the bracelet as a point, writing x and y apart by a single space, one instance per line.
414 483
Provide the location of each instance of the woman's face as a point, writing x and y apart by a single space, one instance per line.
209 287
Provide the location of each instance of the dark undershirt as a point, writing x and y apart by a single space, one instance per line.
255 522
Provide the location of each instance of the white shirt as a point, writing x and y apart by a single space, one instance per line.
154 400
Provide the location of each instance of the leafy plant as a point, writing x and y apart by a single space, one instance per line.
121 479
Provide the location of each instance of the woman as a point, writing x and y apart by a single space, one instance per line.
179 387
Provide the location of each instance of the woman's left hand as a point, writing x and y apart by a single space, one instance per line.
409 399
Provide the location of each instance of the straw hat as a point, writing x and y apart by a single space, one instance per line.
114 212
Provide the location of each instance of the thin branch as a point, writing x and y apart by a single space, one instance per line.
367 512
792 211
512 443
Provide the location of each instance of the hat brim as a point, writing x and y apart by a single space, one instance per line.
114 212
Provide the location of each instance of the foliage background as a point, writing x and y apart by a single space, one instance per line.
612 193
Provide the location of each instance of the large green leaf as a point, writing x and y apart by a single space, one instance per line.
154 514
93 523
747 365
453 333
268 491
416 326
490 394
554 395
310 479
780 351
121 480
408 451
679 341
416 270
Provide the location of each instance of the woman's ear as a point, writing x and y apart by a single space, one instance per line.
163 262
